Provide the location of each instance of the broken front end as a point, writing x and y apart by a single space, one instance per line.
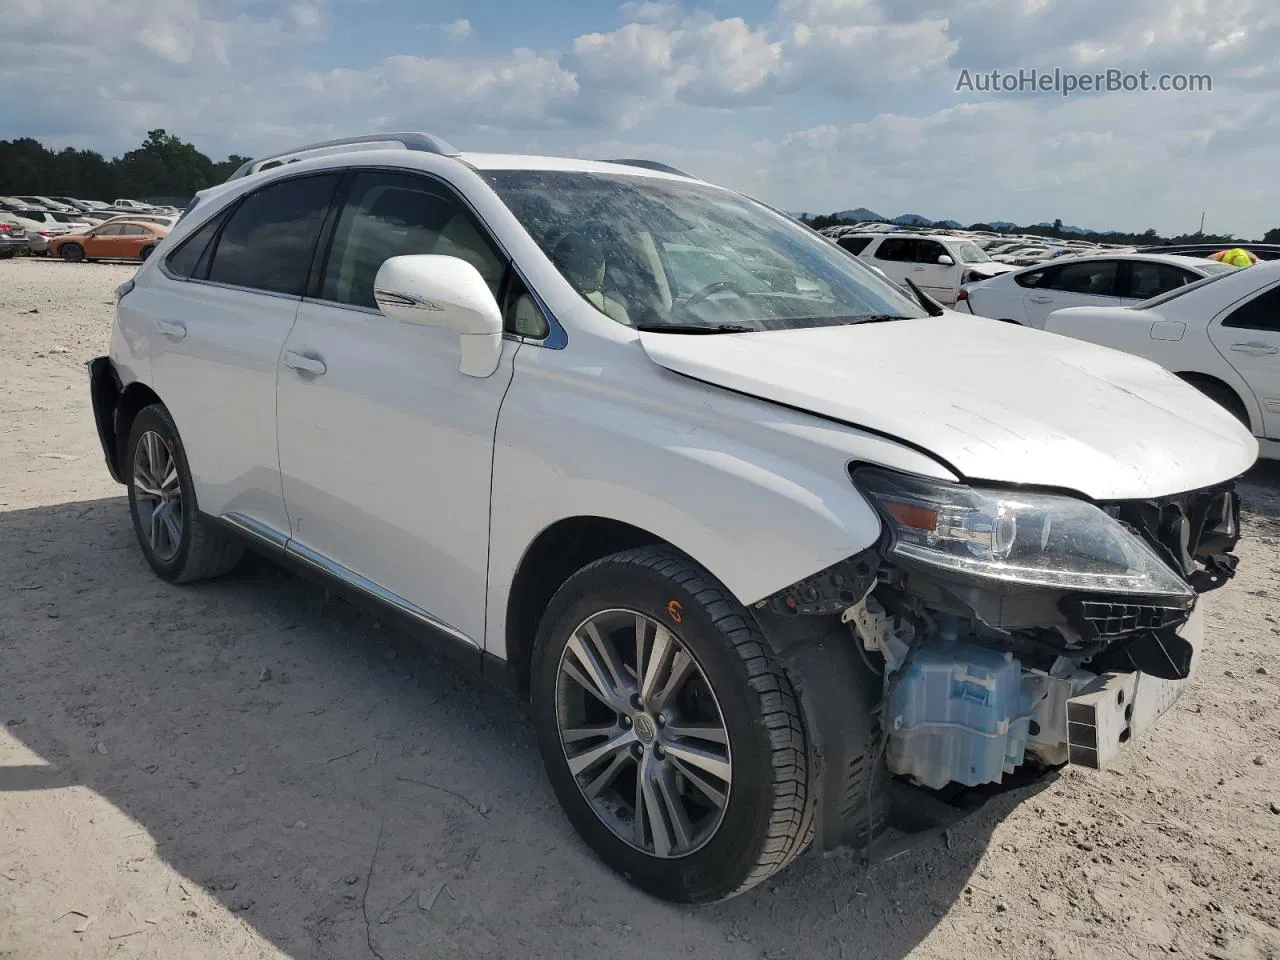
1000 634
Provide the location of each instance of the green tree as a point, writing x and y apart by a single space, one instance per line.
1272 235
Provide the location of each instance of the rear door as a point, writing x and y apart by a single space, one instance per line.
1076 283
219 325
1248 335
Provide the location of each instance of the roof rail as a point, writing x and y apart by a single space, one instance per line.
654 165
423 142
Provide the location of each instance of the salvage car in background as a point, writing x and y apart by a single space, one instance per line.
113 240
1221 334
684 509
1029 295
936 263
13 236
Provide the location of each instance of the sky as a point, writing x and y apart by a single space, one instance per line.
811 105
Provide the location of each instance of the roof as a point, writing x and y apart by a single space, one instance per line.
519 161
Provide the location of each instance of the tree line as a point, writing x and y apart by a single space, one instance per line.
163 169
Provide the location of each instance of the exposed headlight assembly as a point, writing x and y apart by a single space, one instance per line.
1034 539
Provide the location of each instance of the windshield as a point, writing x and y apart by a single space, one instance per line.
1177 292
971 253
654 253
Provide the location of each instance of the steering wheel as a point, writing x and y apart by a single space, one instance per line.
712 288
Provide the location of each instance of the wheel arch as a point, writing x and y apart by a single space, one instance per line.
1198 379
133 399
557 553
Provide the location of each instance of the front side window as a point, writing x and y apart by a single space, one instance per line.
269 241
1260 313
392 215
1092 277
928 251
659 253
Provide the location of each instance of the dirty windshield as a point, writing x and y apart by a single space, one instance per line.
655 254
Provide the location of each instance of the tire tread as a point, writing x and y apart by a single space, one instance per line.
790 828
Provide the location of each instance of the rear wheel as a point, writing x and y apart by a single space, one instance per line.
178 542
71 252
145 252
670 733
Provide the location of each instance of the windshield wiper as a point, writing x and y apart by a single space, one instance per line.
694 328
931 306
874 318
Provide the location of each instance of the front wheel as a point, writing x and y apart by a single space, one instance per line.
670 733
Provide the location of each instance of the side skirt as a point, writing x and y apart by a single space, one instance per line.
440 637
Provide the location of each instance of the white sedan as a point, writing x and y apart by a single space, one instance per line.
1114 280
1221 334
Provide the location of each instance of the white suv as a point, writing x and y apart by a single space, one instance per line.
936 263
779 556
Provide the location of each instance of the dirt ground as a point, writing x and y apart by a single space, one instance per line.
248 768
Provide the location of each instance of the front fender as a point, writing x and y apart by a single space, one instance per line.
758 494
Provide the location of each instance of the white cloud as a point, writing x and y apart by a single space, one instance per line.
820 104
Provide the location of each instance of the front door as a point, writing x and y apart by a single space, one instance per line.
100 241
939 280
1077 283
1248 335
386 449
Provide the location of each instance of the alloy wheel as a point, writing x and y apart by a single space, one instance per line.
643 733
158 494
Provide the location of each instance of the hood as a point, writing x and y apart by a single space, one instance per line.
986 270
995 401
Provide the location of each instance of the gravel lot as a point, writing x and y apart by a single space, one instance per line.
248 768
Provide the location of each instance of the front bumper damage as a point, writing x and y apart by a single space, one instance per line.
928 693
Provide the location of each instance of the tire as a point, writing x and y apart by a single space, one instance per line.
766 820
1224 397
187 546
71 252
144 253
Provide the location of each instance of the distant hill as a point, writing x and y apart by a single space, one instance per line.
1003 225
1065 229
947 224
862 213
913 220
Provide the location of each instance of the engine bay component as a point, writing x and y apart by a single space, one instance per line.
960 713
829 591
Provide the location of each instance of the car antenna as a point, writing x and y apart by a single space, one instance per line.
931 306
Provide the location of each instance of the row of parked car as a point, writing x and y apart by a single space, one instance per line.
81 229
1215 325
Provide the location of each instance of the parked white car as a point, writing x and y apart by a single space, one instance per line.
662 459
1029 295
1221 334
936 263
41 227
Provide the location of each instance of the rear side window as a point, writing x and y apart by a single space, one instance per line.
186 261
854 245
1147 279
394 214
1260 313
1092 277
269 241
135 230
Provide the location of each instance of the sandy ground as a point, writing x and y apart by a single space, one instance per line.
248 769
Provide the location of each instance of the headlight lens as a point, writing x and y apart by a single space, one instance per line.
1031 538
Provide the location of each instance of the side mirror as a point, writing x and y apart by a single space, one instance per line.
946 261
447 292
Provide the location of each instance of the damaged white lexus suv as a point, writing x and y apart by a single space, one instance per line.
782 558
